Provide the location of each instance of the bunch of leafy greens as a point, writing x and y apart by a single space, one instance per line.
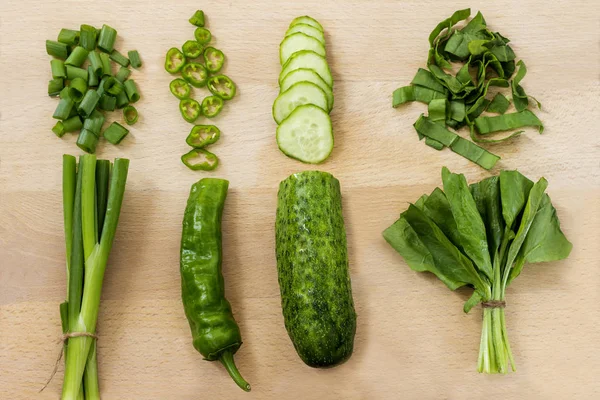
481 235
458 100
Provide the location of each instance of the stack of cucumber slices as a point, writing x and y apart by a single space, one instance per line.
305 93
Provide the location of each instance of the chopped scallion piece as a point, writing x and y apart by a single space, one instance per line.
55 86
87 141
106 41
58 69
130 114
92 77
122 99
123 74
64 93
134 58
115 133
95 63
63 110
108 103
72 124
77 89
94 122
112 86
77 57
57 49
87 37
198 18
106 67
69 37
132 92
89 103
59 129
76 72
119 58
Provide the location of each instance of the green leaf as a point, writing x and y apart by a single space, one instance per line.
438 209
471 151
507 122
499 104
425 248
447 80
545 241
407 94
426 79
520 98
473 238
420 203
503 53
430 129
434 144
472 302
437 110
448 23
486 194
514 192
457 110
476 138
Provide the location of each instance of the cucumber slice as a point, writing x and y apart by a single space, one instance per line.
299 94
306 134
307 75
298 42
307 30
305 19
307 59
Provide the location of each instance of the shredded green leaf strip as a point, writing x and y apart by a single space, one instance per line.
499 104
507 122
471 151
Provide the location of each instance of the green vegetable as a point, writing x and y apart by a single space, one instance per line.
134 58
77 89
63 109
198 18
203 135
221 86
119 58
481 235
107 38
195 73
69 37
87 141
88 103
130 114
299 42
94 122
58 69
55 86
202 35
312 264
211 106
305 19
214 59
191 49
112 86
180 88
174 61
77 57
106 67
458 98
108 103
200 159
93 80
88 248
215 333
115 133
87 38
76 72
57 49
122 74
190 109
69 125
132 91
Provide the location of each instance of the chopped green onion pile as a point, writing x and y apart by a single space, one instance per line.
199 65
83 79
458 99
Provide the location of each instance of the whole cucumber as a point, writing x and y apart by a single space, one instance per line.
312 263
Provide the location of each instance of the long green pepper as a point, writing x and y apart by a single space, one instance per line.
215 333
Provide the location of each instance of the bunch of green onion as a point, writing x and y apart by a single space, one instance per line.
82 78
92 196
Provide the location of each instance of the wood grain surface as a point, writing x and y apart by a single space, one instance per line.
413 340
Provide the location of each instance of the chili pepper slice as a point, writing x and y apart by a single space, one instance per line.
221 86
202 35
191 49
175 60
212 106
180 88
195 73
214 59
200 160
190 109
203 135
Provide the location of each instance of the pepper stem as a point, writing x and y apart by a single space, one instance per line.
227 361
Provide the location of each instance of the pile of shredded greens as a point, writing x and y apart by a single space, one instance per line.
457 98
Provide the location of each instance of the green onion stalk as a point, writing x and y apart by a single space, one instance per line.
92 199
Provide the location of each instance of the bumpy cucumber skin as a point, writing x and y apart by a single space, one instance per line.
312 263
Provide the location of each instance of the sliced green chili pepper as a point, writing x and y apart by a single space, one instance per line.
203 135
175 60
202 35
200 159
215 333
130 114
221 86
214 59
197 19
212 106
180 88
191 49
195 73
190 109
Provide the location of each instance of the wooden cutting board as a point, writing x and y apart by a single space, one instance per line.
413 340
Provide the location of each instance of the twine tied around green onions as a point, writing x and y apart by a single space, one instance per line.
493 304
63 340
